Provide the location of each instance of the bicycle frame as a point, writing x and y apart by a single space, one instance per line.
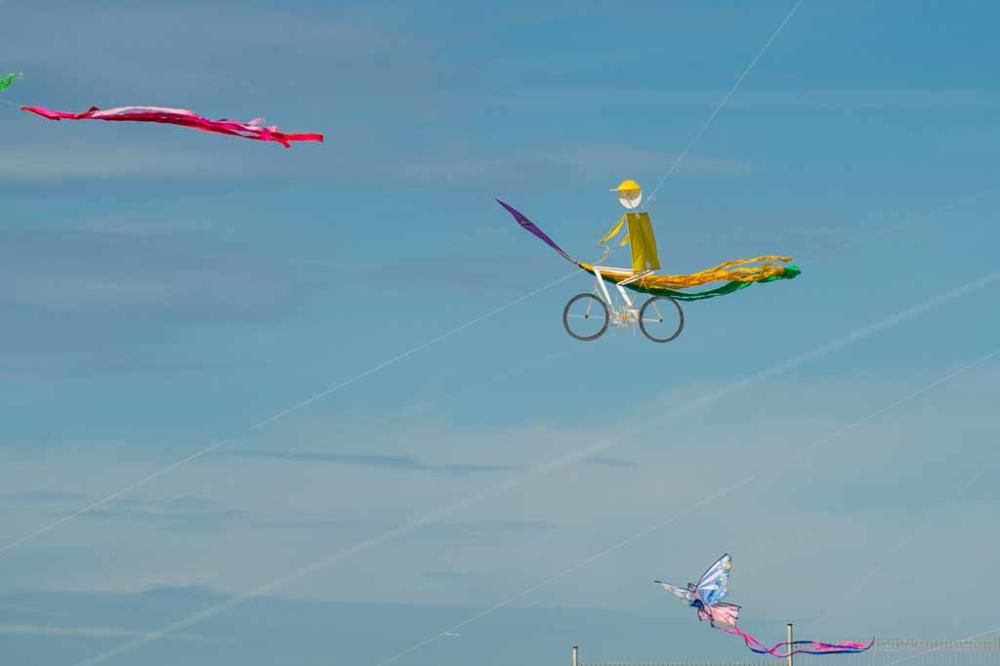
623 312
627 315
619 316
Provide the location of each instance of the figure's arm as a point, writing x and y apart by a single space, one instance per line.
614 232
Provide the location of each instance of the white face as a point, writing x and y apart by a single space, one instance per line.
630 200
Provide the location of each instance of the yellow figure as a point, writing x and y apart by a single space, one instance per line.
638 230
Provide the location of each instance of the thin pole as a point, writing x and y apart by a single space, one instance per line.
789 662
576 656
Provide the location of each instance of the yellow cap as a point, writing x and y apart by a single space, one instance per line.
627 186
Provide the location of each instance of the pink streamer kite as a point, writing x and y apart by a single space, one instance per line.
183 117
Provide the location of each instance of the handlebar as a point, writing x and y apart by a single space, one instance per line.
607 251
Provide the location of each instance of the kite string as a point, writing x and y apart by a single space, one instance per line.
177 464
903 541
439 513
860 335
601 445
725 99
723 492
745 73
981 634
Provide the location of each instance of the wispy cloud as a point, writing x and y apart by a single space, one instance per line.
446 574
56 271
379 461
85 632
198 23
444 530
552 164
193 514
33 164
316 523
28 610
130 225
596 159
798 100
487 526
303 632
40 497
801 100
605 461
478 272
28 366
218 40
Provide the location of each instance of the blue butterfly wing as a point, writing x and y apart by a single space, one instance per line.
714 585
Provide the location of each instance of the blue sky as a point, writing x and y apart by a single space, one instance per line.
162 289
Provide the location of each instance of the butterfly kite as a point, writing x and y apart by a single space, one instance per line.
707 595
252 129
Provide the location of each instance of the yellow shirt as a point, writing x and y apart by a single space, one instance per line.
639 231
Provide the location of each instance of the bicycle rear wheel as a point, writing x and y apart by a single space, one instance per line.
661 319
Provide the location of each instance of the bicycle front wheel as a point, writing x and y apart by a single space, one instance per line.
585 317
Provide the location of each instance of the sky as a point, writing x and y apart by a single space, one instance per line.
465 462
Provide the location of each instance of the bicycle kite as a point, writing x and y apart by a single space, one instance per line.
588 315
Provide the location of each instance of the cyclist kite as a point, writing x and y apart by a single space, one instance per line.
597 309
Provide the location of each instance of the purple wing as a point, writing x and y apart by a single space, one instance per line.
533 229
